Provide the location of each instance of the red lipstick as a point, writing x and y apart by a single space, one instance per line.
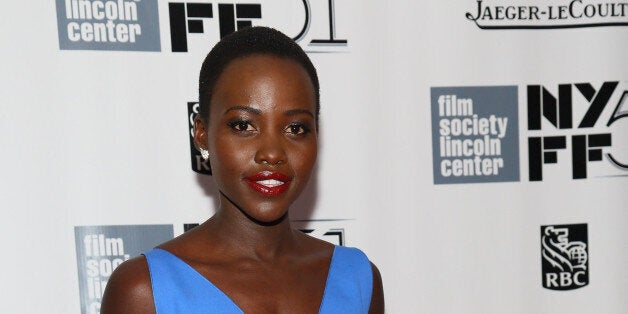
269 183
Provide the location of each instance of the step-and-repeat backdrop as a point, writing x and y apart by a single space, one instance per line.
477 151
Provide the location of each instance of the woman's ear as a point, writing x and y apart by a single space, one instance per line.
200 140
200 134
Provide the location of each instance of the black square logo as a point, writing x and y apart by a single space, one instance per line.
565 256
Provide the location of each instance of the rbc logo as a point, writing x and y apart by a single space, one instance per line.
565 257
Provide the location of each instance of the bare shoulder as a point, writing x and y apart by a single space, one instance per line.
129 289
315 245
377 298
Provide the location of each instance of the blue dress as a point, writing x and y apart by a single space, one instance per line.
178 288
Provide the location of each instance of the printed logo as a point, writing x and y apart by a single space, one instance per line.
330 230
188 18
333 231
100 249
538 14
131 25
571 114
565 256
475 135
199 164
189 226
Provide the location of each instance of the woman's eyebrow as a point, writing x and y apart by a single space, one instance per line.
293 112
245 108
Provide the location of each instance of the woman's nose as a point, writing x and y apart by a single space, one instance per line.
271 151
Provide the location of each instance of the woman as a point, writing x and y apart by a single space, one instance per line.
258 124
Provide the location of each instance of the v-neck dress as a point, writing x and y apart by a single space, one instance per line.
179 288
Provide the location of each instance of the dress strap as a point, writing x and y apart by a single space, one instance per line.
349 283
179 288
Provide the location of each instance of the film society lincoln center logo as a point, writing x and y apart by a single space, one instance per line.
475 134
100 249
564 256
131 25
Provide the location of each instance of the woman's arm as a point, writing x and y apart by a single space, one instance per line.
377 298
129 289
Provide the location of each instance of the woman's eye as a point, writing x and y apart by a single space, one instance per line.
297 129
241 126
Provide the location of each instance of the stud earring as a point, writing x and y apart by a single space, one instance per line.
204 153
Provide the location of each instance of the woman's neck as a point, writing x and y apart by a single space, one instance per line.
238 233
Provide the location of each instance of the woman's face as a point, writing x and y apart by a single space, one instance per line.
261 134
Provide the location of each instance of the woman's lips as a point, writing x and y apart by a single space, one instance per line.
269 183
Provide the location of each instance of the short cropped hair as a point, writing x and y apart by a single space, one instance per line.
245 42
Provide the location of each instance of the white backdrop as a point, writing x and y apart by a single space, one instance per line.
97 137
